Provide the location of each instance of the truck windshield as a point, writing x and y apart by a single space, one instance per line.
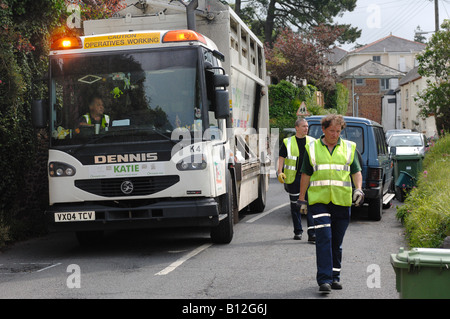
124 96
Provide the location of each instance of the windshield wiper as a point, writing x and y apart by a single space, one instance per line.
90 141
121 132
148 130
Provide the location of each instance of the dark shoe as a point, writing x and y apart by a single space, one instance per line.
336 285
298 237
312 239
325 288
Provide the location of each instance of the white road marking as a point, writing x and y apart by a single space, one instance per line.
51 266
266 213
180 261
12 269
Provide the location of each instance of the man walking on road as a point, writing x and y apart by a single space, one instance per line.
327 166
289 163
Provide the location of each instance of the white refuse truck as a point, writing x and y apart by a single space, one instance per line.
157 117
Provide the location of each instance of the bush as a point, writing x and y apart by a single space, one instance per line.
281 98
24 35
285 99
425 214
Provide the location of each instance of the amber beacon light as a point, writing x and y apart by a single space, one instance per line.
67 43
183 35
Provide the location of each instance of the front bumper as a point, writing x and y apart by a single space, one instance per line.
201 212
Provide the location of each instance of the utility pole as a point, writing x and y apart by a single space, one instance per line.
436 15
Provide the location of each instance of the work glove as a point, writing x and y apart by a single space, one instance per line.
281 177
358 197
303 206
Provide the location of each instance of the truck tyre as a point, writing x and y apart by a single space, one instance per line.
376 208
223 233
259 204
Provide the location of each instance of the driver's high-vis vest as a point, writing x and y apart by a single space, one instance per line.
290 162
331 181
105 119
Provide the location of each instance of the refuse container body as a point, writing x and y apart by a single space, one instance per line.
422 273
410 164
406 172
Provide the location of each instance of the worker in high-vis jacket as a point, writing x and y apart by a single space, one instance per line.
96 113
329 166
289 163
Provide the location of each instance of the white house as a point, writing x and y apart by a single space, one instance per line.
409 87
392 51
397 108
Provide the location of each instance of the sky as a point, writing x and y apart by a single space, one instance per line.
378 19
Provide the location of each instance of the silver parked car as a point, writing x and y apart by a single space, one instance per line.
396 131
408 143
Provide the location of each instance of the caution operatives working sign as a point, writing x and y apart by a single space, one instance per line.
115 40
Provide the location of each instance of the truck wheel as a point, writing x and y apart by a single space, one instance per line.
259 204
223 233
376 208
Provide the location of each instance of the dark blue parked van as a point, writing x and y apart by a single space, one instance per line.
374 159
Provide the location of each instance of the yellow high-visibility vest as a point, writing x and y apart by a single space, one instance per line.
290 162
105 119
331 181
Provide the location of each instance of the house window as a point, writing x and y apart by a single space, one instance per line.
376 58
402 64
360 82
384 84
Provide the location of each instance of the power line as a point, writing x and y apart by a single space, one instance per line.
394 24
414 13
396 4
445 8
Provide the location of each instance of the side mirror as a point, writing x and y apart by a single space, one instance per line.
222 104
221 80
393 150
38 113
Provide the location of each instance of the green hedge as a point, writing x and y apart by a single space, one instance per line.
284 101
426 213
25 27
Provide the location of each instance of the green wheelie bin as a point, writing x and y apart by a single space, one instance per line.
406 172
422 273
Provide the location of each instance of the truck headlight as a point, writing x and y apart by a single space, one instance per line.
58 169
196 162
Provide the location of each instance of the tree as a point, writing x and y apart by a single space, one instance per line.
87 10
418 35
98 9
25 35
303 56
434 63
304 14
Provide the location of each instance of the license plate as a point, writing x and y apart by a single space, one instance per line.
74 216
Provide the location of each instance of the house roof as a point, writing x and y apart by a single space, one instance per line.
371 69
410 76
391 43
336 55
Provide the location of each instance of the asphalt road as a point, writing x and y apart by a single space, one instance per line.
262 262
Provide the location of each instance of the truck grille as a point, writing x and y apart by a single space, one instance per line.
115 187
